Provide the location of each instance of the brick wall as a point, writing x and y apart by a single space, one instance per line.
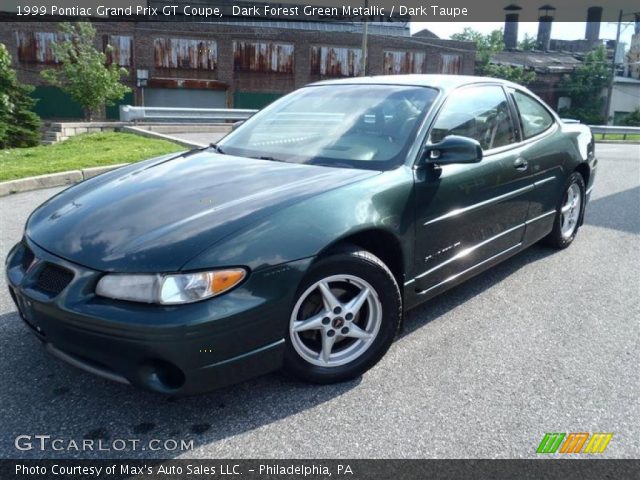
224 74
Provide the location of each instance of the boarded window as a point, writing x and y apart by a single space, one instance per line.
185 53
121 51
263 57
397 62
451 63
335 61
36 47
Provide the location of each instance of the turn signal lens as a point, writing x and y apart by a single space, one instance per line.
226 279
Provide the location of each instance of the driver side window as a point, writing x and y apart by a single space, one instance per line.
481 113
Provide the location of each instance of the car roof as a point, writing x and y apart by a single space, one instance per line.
442 82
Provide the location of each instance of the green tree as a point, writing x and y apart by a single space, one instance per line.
584 86
528 43
633 119
508 72
488 45
84 73
19 125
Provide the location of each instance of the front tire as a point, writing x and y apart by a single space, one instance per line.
346 314
569 213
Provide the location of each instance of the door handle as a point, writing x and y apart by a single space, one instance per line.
520 164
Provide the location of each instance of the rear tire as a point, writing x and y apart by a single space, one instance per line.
569 213
346 314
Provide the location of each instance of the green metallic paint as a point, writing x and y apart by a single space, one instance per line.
450 222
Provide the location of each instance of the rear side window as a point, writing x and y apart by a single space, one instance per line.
481 113
535 118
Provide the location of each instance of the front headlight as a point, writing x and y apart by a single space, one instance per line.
169 289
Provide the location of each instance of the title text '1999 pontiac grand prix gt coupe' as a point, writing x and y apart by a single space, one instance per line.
300 238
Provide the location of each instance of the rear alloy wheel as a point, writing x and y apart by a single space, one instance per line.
344 318
568 213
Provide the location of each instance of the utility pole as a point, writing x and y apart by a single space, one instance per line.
365 31
613 71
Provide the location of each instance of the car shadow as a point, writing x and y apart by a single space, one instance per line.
447 301
43 395
618 211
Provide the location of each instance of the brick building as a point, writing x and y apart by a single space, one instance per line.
229 65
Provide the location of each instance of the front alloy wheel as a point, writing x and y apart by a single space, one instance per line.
344 319
335 320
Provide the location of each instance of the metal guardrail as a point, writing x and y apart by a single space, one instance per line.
605 130
129 113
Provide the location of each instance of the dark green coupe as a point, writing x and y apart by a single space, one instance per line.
299 240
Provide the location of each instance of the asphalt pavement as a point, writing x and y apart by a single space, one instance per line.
548 341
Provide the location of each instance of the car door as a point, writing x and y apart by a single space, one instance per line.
545 150
467 214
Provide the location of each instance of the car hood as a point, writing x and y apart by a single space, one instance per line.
157 216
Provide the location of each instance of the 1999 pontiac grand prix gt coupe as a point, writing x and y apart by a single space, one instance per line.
299 240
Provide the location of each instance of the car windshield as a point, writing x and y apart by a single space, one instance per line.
360 126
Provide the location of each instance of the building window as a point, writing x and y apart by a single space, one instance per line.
397 62
265 57
36 47
185 53
120 51
450 63
335 61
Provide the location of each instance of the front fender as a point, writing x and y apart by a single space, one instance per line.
305 229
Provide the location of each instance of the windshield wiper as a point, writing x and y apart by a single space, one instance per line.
216 148
264 157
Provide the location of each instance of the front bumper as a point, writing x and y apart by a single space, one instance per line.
182 349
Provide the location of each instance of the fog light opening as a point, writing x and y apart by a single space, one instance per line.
162 376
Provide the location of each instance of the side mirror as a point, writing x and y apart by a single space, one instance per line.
236 125
453 149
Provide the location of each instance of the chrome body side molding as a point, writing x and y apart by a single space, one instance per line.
471 249
470 269
490 201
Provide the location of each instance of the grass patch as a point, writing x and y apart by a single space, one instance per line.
632 137
82 151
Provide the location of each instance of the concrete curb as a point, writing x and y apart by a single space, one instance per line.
619 142
88 173
75 176
53 179
149 134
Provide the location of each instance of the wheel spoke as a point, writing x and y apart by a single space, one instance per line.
355 304
356 332
570 211
327 346
333 317
329 299
312 323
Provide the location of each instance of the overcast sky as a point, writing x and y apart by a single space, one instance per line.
561 30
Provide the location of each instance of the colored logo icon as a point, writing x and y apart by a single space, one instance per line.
574 442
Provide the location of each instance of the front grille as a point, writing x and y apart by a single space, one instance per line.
53 279
27 258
